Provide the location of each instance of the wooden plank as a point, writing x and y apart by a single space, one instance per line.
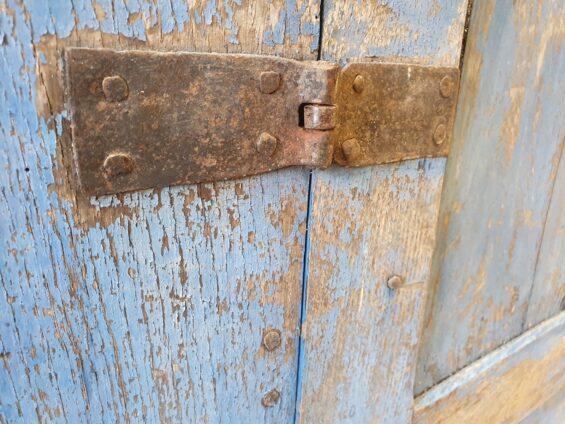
551 412
508 138
360 336
548 293
507 385
148 306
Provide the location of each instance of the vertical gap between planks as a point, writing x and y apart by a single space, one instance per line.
465 33
303 303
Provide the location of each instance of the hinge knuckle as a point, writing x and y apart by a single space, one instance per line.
319 117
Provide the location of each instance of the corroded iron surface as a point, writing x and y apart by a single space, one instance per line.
151 119
391 112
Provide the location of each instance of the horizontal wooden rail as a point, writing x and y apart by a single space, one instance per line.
506 385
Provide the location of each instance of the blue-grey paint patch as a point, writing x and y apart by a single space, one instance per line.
412 28
211 11
180 12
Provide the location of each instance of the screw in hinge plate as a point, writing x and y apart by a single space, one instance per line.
117 164
272 340
440 131
271 398
266 144
115 88
446 86
359 84
351 149
395 282
269 82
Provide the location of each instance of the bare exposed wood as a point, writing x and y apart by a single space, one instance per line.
509 135
525 377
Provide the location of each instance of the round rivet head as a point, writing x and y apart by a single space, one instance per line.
270 82
446 86
351 149
117 164
115 88
266 144
359 84
272 340
395 282
271 398
440 134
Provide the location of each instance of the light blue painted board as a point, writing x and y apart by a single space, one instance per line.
509 134
147 306
548 293
360 337
551 412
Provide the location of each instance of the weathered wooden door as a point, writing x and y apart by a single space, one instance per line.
265 299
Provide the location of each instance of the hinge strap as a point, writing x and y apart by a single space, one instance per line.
143 119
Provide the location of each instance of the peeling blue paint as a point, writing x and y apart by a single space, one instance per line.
98 322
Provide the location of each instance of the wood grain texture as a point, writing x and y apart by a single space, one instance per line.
508 139
148 306
359 336
550 412
525 377
548 293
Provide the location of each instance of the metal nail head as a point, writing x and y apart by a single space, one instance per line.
117 164
271 398
266 144
395 282
272 340
269 82
115 88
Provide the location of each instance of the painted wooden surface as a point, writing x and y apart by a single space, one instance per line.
360 337
551 412
507 385
508 140
148 306
548 293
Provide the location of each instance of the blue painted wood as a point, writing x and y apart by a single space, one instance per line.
508 139
146 306
360 337
548 292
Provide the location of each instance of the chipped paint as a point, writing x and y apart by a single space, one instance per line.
149 305
360 337
508 141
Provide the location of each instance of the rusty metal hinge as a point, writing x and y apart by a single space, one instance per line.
144 119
